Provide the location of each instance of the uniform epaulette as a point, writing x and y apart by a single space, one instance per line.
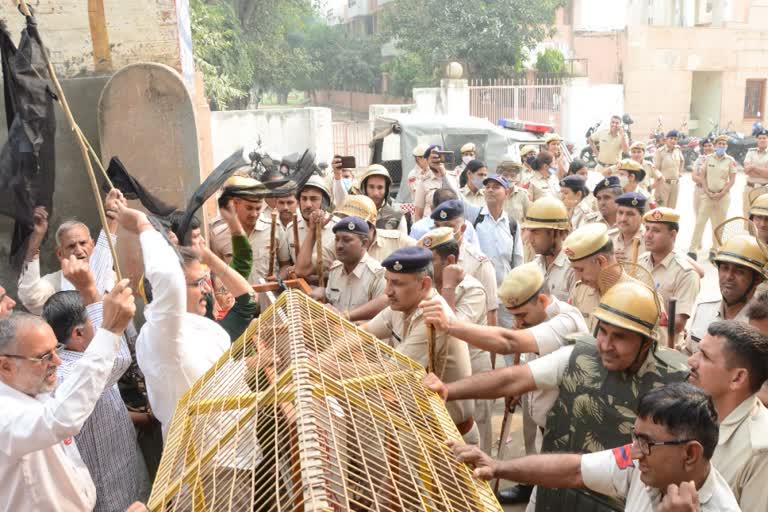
335 264
682 260
593 217
393 234
751 150
613 231
374 266
474 252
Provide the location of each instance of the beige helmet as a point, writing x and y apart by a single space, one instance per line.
358 205
638 144
319 183
528 148
520 285
630 305
469 146
553 137
376 170
586 241
758 201
547 213
244 187
419 150
739 245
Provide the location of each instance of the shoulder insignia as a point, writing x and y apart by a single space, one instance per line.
335 264
393 234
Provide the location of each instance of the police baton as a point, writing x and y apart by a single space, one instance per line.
510 403
671 314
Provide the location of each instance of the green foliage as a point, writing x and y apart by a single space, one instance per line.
489 35
550 60
407 71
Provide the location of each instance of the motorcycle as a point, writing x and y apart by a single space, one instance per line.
689 145
738 144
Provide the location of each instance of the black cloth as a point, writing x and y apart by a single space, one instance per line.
27 159
132 189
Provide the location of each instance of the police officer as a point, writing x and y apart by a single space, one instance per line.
450 215
575 196
669 161
547 225
467 297
543 180
637 153
719 175
409 281
758 212
598 382
375 183
707 148
406 193
437 177
756 166
472 192
589 250
606 192
631 176
629 234
672 273
383 242
612 143
740 271
248 202
542 325
517 202
528 155
354 279
313 196
468 153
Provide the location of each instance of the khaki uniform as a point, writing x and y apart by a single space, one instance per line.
675 278
741 455
669 165
414 177
624 249
583 213
698 190
471 307
650 176
347 291
559 277
517 202
585 299
221 244
408 335
760 159
477 265
609 152
473 198
539 186
425 189
388 241
716 172
706 313
287 252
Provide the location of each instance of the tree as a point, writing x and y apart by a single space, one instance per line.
489 35
550 60
407 71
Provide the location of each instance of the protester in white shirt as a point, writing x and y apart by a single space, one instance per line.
40 467
674 437
72 239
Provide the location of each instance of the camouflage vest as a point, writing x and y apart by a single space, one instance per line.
389 217
595 411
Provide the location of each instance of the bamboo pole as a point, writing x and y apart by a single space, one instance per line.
22 4
272 245
319 253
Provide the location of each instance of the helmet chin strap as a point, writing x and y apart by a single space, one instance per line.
640 351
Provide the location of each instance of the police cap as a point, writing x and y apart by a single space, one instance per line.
448 210
586 241
354 225
408 260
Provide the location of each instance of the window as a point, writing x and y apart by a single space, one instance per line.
754 98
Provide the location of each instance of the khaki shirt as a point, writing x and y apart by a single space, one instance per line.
347 291
287 252
585 299
425 189
717 171
388 241
473 198
758 158
559 276
583 214
615 474
539 186
741 455
706 313
610 146
477 265
221 244
471 307
408 335
517 202
414 177
624 249
668 162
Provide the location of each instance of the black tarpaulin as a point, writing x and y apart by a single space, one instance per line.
27 161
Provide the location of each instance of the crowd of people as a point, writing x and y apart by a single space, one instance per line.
624 406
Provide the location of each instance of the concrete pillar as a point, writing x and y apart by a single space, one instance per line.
455 96
718 13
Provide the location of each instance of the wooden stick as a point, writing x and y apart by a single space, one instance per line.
319 253
509 409
635 249
78 136
272 245
431 342
295 237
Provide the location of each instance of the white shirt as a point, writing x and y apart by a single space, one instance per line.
613 473
40 467
174 348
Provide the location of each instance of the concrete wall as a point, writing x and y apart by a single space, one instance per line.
84 40
451 98
584 104
282 131
358 102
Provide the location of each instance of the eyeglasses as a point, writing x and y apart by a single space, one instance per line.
201 283
645 444
45 358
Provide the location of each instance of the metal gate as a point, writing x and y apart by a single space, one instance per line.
352 138
535 103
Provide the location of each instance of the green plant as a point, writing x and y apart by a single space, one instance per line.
550 60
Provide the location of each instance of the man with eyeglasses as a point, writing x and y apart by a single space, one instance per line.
673 439
40 466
